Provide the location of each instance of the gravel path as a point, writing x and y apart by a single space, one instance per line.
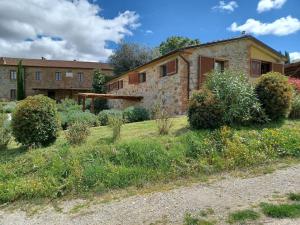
222 196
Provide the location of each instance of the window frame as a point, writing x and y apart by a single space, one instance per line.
223 65
163 70
142 77
13 75
59 76
38 75
80 76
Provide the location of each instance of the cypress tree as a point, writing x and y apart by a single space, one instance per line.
20 82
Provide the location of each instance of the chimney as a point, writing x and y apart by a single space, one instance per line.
2 61
43 58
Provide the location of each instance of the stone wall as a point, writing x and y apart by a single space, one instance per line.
6 84
156 89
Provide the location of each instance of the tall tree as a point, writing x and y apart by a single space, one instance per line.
287 55
128 56
99 86
176 42
20 81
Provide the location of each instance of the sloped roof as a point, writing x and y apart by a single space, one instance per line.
250 37
54 63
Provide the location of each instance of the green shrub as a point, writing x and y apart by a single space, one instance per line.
77 133
104 114
5 131
281 211
135 114
115 122
204 110
243 216
275 95
235 95
70 117
68 104
9 107
145 153
35 121
295 107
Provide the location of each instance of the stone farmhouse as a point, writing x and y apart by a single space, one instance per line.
170 79
57 79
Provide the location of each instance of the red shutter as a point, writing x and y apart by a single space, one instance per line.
172 67
206 65
277 68
255 68
133 78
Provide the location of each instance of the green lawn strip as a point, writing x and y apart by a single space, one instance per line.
243 216
281 211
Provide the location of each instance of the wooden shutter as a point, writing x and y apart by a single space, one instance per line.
133 78
206 65
172 67
255 68
276 67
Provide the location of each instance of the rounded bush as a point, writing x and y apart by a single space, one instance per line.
135 114
35 121
105 114
275 94
204 110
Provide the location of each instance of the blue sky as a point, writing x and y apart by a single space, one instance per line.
90 29
197 19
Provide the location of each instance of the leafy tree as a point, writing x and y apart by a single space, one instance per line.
99 86
20 81
175 42
99 82
128 56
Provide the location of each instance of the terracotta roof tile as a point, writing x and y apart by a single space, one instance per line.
54 63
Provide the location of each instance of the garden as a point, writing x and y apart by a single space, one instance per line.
51 150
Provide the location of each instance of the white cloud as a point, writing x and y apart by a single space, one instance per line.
229 7
60 29
266 5
149 32
295 56
280 27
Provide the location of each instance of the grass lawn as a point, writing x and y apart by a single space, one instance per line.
140 157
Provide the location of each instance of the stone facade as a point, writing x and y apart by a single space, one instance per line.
73 80
176 89
6 84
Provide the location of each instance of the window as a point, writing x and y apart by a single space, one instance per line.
219 66
13 75
120 84
13 94
57 75
142 77
260 67
80 77
37 75
163 70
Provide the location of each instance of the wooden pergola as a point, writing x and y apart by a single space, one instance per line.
92 96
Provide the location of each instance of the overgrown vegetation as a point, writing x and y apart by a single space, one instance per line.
192 220
243 216
141 156
115 123
226 98
295 107
35 121
77 133
105 114
135 114
282 210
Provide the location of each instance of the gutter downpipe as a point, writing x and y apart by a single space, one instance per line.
188 74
